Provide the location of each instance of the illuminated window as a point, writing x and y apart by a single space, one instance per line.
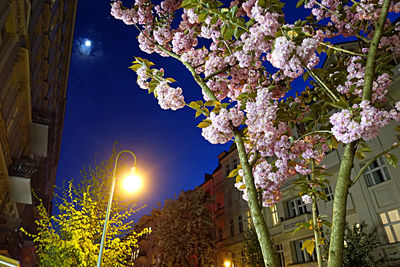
391 224
274 213
377 172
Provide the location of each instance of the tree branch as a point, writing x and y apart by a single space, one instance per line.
370 162
324 86
314 132
373 48
343 50
218 72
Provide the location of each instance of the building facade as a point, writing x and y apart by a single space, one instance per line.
35 49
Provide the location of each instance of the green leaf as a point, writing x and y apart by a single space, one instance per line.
243 186
204 124
135 67
397 128
391 159
233 173
364 148
299 3
262 3
228 33
239 179
171 80
309 245
194 105
198 113
234 10
214 20
339 104
360 155
202 17
306 75
307 119
210 103
187 4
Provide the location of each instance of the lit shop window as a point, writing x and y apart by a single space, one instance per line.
391 224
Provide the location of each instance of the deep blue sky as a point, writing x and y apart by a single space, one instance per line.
105 105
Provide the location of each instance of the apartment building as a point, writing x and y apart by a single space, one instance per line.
35 50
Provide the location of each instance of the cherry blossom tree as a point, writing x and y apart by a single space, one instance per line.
245 73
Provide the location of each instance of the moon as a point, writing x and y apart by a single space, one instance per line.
88 43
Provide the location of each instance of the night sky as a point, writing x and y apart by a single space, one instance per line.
105 105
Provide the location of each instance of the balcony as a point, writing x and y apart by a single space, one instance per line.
289 224
19 180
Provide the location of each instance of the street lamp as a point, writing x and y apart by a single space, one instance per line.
133 181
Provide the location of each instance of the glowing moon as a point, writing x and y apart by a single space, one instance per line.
88 43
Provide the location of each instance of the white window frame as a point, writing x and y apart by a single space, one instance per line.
280 255
296 207
378 166
391 224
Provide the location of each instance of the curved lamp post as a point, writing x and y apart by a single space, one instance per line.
103 237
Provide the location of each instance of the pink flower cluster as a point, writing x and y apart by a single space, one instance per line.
141 13
182 42
195 57
221 129
168 97
290 58
355 81
363 121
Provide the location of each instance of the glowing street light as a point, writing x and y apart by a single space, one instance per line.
227 263
131 183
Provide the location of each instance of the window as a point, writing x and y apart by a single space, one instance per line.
391 224
377 172
274 213
302 255
329 193
240 224
279 254
219 234
232 228
296 207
